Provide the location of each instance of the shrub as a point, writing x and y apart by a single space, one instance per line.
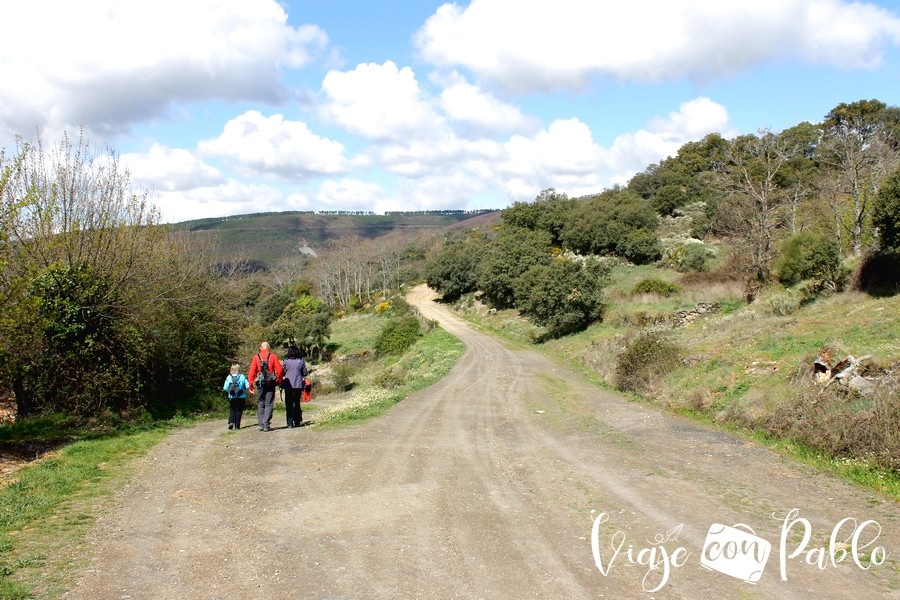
878 274
645 360
389 379
836 421
808 255
398 336
342 375
886 213
655 286
693 258
565 296
782 304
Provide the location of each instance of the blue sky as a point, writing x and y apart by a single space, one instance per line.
223 107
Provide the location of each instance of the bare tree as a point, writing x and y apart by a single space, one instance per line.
753 205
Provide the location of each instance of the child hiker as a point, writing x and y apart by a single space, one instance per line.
236 385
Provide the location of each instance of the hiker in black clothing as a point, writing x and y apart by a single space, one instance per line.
295 371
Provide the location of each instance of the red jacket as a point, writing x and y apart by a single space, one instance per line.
273 363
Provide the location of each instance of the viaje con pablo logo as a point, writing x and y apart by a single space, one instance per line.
738 552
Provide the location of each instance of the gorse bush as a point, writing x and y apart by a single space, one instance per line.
646 359
398 336
655 286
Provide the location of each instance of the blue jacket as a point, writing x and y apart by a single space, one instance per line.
242 382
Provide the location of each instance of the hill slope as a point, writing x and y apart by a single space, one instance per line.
269 237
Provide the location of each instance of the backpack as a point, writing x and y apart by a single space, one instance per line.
266 377
235 388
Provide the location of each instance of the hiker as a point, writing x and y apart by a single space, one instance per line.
295 371
236 385
265 375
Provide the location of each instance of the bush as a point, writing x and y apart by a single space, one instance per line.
398 336
886 213
836 421
565 296
693 258
782 304
655 286
808 255
645 360
389 379
878 274
342 375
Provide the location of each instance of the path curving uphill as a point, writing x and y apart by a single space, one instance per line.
486 485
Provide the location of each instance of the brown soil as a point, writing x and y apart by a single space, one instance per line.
482 486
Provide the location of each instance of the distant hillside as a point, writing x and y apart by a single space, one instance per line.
268 237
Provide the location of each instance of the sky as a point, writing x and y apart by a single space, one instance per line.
227 107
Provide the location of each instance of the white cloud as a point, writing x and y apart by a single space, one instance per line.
378 102
632 152
566 157
349 194
528 46
104 64
231 197
463 102
170 169
275 146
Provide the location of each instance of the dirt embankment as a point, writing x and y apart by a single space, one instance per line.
491 484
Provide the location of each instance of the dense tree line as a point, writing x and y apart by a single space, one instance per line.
792 204
103 310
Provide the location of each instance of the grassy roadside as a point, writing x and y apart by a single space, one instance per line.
382 382
47 508
746 369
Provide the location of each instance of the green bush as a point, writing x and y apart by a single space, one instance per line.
389 379
782 304
693 257
342 375
886 213
398 336
808 255
645 360
565 296
655 286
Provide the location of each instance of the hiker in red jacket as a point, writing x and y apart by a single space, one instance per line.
265 374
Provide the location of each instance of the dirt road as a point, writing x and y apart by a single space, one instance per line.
487 485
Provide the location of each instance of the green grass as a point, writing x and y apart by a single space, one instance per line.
741 363
858 471
356 333
424 364
48 507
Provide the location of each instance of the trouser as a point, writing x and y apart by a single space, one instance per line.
264 405
236 411
292 407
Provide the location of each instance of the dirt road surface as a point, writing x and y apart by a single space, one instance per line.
488 485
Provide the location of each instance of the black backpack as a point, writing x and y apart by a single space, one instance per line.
266 377
234 388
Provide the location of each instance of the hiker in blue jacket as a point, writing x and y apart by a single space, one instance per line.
236 385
